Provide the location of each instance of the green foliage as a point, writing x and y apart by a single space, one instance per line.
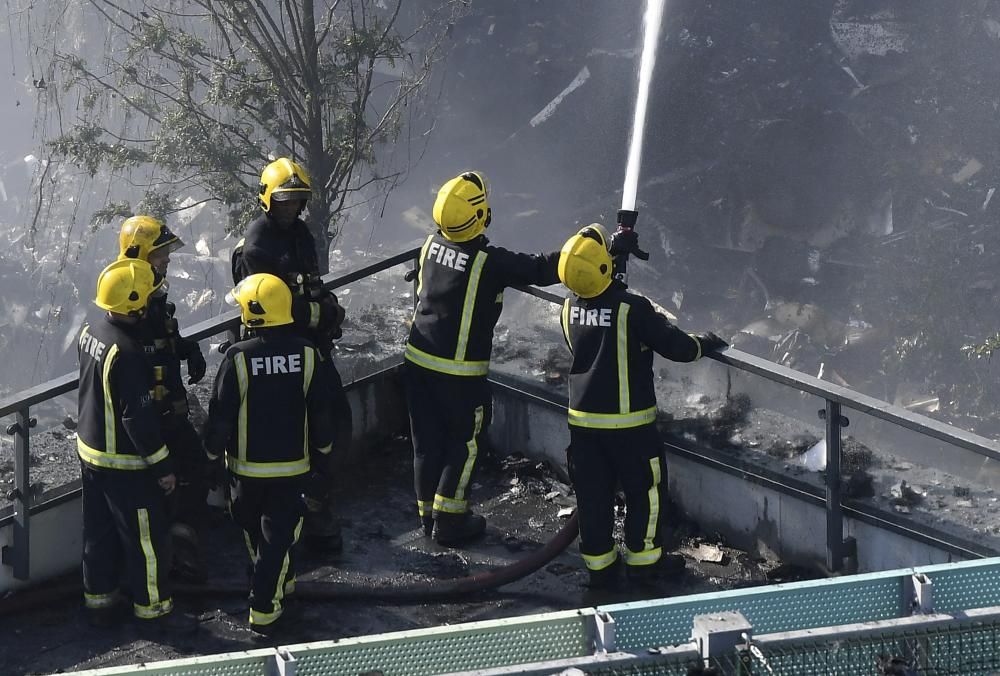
199 105
984 350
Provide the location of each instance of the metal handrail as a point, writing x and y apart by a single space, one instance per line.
876 408
834 395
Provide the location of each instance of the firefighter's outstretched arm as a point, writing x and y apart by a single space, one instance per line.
520 268
656 331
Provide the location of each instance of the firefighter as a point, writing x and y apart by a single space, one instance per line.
612 334
148 239
459 299
268 414
125 467
278 242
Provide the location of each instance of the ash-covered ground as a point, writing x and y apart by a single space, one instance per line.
521 499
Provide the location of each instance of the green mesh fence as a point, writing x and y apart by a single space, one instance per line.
966 650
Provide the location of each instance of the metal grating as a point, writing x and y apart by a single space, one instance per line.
478 645
800 605
959 586
966 651
250 663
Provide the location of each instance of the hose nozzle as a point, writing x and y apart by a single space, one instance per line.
627 218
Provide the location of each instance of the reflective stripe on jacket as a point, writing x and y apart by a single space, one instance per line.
612 338
459 299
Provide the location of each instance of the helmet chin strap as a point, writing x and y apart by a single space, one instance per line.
489 217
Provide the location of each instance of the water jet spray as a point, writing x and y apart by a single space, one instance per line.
628 215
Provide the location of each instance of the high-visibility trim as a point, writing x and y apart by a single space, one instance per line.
290 586
308 364
424 507
149 555
248 541
612 421
267 470
450 505
110 419
564 322
469 306
326 450
420 273
153 610
313 314
279 588
97 458
472 450
600 561
240 362
654 504
97 601
442 365
263 619
698 343
624 397
646 557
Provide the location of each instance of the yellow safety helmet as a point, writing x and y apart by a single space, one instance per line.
142 235
264 300
585 263
281 181
124 287
461 209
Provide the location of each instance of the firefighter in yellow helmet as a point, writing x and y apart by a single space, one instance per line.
270 416
459 299
126 469
146 238
612 333
278 242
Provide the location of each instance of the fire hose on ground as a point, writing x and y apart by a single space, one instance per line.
440 591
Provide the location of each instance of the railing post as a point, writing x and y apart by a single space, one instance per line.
16 554
834 510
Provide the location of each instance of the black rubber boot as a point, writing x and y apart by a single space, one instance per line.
606 578
455 529
321 533
669 567
427 521
170 625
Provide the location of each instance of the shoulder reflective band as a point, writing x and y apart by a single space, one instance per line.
240 362
564 320
110 418
308 365
623 390
420 273
469 306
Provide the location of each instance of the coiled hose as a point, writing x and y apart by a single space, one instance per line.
444 590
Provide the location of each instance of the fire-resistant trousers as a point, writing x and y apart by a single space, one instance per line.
601 460
449 416
124 521
321 521
270 512
187 503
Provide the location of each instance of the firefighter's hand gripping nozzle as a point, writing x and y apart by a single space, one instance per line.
625 243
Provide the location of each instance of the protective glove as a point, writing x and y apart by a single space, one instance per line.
331 316
195 363
710 342
625 242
